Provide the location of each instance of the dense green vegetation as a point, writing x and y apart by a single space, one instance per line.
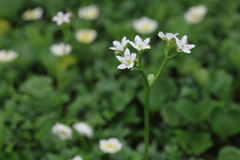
194 105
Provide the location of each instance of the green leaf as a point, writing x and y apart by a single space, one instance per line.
170 115
229 153
2 133
194 143
195 113
225 122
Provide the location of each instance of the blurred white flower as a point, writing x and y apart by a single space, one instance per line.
127 61
90 12
119 46
60 49
77 158
33 14
63 131
112 145
83 129
195 14
145 25
86 35
183 46
7 56
60 18
140 44
168 36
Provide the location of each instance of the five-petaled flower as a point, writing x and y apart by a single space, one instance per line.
61 18
60 49
183 46
7 56
195 14
89 12
119 46
83 129
145 25
63 131
33 14
86 35
140 44
127 61
112 145
168 36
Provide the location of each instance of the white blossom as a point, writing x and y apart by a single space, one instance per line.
61 18
63 131
140 44
195 14
77 158
112 145
168 36
119 46
7 56
90 12
83 129
60 49
145 25
86 35
183 46
127 61
33 14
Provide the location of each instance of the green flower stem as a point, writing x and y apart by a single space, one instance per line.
160 70
146 100
146 115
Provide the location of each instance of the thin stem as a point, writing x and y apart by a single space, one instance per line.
160 70
146 122
140 60
146 116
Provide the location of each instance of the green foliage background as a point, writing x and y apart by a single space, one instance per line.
195 105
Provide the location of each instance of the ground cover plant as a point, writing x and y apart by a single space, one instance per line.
64 95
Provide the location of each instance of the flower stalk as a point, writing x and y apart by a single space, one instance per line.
128 61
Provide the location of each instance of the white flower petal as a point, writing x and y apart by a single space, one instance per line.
122 66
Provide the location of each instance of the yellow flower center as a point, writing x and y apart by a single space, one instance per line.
111 146
129 62
139 46
145 27
29 15
85 38
63 132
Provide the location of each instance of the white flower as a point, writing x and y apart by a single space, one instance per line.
195 14
168 36
33 14
60 49
7 56
83 129
90 12
119 46
112 145
63 131
60 18
140 44
86 35
127 61
145 25
77 158
183 46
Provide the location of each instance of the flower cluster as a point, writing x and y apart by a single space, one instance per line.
128 60
112 145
